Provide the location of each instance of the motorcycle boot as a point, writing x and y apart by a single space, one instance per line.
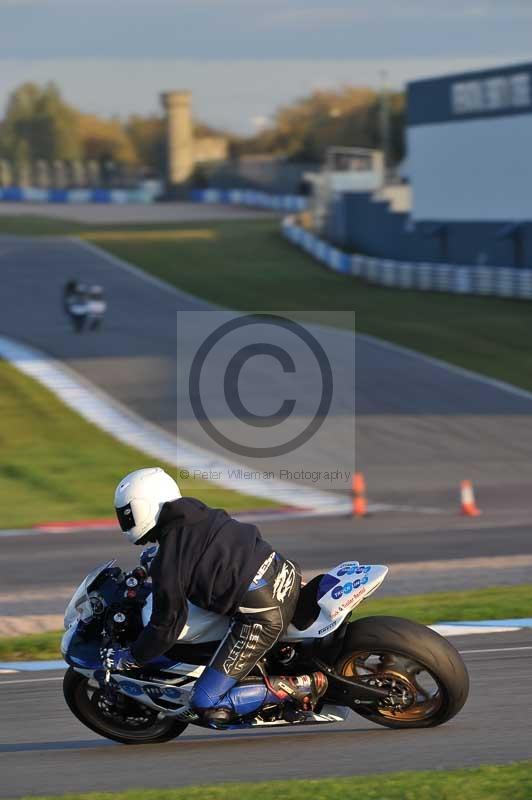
251 695
303 690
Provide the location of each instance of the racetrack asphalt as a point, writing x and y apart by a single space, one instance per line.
425 554
420 427
44 749
131 214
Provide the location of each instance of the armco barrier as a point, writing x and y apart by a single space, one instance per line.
251 198
498 281
29 194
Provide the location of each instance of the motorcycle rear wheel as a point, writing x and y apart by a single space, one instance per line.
421 668
138 725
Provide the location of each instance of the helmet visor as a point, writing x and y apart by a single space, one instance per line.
126 520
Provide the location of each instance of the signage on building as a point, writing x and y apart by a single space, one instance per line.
496 93
500 92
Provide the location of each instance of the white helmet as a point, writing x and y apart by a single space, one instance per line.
139 498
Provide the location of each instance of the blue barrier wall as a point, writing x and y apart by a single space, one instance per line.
429 277
359 223
251 198
17 194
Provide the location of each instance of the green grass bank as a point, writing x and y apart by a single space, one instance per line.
251 267
57 466
247 265
502 602
482 783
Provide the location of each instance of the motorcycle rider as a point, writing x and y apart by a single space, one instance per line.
221 565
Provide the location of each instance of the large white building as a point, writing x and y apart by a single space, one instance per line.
469 144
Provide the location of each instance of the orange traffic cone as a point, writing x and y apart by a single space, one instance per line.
358 488
468 506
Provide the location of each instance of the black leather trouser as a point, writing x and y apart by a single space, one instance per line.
261 619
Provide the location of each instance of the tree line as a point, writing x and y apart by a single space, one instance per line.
39 124
348 117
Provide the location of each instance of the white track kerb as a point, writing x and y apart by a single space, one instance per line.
123 424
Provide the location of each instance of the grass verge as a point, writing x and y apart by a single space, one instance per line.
31 647
499 603
249 262
481 783
34 225
57 466
252 268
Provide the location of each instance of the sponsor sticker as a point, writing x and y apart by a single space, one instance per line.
133 689
263 568
237 658
348 603
328 627
347 588
347 569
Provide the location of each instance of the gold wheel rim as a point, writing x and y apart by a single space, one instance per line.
407 679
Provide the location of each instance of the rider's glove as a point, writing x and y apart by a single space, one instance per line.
147 556
119 659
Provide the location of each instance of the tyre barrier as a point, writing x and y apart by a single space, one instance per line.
19 194
505 282
250 198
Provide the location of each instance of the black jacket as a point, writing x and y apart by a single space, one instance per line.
204 556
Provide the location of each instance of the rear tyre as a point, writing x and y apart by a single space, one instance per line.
133 723
423 671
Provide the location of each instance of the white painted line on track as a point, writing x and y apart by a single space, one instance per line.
462 652
31 680
448 629
495 650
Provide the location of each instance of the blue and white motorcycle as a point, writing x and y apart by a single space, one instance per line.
390 670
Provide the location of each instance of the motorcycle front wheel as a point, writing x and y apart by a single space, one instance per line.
425 675
128 723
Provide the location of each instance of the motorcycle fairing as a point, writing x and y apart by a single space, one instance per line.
201 626
174 701
340 590
80 606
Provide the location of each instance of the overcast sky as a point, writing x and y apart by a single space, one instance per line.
242 58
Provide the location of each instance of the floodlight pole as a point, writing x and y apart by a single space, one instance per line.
384 119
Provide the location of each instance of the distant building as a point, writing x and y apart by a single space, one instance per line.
185 150
469 146
469 162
